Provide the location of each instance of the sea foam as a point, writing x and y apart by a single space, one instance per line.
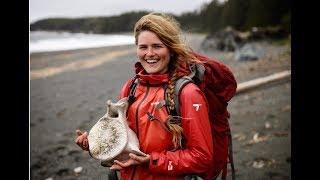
42 41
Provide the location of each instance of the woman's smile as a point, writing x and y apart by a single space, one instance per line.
152 61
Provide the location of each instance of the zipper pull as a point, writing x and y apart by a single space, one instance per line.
150 116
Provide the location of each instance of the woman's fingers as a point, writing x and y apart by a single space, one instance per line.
85 134
79 133
124 164
116 162
82 139
140 159
85 144
116 167
78 140
135 157
134 160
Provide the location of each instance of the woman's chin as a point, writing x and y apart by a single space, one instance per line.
152 72
151 69
155 69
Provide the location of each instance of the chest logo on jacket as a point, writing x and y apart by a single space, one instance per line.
159 104
196 106
170 166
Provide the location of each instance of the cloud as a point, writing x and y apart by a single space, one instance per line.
40 9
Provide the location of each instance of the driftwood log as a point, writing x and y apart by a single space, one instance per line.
249 85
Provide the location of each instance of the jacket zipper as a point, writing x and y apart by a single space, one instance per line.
137 110
137 125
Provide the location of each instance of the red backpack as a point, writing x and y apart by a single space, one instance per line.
218 83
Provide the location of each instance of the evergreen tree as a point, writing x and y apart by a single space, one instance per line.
211 16
235 13
264 13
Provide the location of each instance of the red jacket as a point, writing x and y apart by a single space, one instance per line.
155 140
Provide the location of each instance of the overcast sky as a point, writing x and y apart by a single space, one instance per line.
40 9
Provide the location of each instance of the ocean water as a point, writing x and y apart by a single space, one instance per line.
43 41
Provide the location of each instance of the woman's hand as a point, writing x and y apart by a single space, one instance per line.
134 160
82 140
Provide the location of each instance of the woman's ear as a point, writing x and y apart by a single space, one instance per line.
171 55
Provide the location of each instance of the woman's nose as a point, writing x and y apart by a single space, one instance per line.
150 52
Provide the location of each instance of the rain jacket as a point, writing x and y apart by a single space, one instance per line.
146 118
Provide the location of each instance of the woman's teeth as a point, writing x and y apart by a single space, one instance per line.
151 61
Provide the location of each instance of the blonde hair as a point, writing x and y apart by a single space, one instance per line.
168 31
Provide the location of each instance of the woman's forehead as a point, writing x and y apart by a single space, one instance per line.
148 37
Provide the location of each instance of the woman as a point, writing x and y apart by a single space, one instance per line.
175 147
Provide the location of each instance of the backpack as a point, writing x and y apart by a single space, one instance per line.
218 84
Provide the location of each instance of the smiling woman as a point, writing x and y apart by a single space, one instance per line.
176 146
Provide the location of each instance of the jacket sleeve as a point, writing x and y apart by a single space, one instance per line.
196 157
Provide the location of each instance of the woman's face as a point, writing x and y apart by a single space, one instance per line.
152 53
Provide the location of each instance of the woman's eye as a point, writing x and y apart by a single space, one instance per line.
142 47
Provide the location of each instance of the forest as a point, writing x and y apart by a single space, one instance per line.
241 15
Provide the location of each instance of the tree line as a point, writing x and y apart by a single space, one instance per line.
241 15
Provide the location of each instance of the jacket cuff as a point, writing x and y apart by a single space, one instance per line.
159 164
154 160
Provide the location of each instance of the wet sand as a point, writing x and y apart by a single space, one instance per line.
68 90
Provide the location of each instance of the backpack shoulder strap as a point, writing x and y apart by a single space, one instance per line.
196 76
132 89
180 84
197 72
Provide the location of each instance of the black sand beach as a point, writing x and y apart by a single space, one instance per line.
68 91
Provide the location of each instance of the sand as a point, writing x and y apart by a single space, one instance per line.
69 89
